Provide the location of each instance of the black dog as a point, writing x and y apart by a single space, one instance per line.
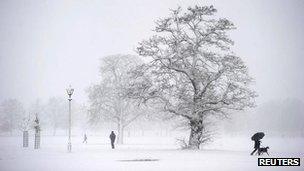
263 150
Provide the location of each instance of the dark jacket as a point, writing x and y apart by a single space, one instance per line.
257 144
112 136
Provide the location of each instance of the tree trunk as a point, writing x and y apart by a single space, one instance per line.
120 131
196 131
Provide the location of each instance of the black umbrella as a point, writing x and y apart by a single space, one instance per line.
257 136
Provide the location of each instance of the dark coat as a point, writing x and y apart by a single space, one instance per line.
257 144
112 136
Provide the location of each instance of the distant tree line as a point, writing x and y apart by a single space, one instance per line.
53 115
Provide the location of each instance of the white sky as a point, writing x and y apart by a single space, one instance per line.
45 45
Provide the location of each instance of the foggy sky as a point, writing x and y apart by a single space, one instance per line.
47 45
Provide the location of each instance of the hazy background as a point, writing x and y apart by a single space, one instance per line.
46 45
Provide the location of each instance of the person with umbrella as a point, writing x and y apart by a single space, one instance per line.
257 141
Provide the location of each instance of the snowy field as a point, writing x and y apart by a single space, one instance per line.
163 153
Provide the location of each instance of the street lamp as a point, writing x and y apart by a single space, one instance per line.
70 91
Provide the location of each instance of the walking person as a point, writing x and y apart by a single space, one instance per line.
257 144
85 138
257 141
112 138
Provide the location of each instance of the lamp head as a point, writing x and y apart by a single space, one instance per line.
70 91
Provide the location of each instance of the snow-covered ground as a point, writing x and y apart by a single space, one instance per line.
223 154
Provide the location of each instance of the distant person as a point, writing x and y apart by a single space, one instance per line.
85 138
112 138
257 144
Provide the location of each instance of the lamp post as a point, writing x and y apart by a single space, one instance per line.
70 91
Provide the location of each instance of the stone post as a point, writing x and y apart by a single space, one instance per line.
25 139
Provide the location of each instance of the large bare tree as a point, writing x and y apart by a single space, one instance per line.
106 99
192 72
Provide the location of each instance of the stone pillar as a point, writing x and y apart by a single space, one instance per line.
37 140
37 133
25 139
